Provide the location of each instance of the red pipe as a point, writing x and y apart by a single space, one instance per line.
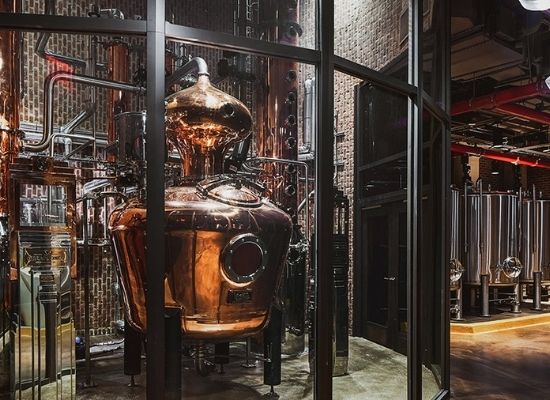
498 156
525 113
504 96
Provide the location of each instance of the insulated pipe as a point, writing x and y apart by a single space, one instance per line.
498 156
49 86
307 150
525 113
510 95
195 64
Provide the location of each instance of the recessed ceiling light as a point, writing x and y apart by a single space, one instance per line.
535 5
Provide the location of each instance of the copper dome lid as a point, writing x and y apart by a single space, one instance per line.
202 122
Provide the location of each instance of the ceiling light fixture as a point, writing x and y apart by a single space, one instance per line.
535 5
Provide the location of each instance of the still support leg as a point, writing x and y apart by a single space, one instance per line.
537 291
221 354
272 350
249 363
485 296
132 352
172 320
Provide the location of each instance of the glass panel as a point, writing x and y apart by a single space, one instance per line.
371 123
248 229
374 33
42 205
433 257
433 48
290 22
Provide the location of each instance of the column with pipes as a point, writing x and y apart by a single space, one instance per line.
277 138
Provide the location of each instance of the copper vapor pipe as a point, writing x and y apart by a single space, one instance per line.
118 60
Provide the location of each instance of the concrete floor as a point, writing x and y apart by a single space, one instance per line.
374 373
508 365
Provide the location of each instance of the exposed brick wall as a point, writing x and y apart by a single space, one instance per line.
541 179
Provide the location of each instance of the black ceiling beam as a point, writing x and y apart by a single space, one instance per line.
66 24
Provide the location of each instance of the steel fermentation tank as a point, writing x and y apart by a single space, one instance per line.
492 237
535 239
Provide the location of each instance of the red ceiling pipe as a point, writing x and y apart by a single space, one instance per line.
525 113
498 156
500 97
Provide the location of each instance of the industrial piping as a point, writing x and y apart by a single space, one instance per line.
498 156
525 113
505 96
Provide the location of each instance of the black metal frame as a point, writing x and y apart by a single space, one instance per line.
157 30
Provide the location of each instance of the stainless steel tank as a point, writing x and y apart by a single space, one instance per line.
492 237
455 266
535 239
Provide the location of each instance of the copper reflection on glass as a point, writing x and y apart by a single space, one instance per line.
118 56
211 223
9 104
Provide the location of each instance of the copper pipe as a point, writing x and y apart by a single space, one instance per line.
9 106
277 103
118 101
195 64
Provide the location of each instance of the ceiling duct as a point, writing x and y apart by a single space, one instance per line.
525 113
504 96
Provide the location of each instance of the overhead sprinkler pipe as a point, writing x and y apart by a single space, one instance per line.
525 113
498 156
505 96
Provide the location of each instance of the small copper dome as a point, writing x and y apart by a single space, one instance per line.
202 122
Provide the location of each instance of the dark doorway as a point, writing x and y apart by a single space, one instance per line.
384 277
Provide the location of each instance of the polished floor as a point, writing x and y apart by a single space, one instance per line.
374 373
513 364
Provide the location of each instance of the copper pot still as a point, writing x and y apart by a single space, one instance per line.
226 244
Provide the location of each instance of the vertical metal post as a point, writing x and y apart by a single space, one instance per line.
484 298
414 205
516 305
155 147
458 311
324 204
537 291
88 382
173 353
446 160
